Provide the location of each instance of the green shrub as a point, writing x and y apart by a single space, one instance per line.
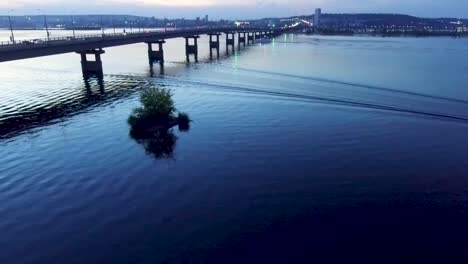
157 102
152 123
157 112
157 105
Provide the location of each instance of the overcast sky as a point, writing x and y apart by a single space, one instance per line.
237 8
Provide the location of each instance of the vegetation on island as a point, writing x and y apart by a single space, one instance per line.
151 124
157 112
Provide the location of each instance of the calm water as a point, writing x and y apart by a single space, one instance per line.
305 150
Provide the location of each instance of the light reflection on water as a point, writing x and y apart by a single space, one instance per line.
315 146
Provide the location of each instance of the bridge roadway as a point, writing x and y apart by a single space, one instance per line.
27 50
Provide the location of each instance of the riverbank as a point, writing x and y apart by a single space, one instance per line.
345 32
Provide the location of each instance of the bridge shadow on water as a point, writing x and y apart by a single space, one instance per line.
74 97
95 91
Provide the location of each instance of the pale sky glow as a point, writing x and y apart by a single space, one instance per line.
238 8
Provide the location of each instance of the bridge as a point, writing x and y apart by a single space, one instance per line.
93 45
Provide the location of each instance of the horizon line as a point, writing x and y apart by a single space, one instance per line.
267 17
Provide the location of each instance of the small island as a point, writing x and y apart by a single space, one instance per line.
156 114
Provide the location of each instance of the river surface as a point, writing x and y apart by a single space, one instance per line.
304 150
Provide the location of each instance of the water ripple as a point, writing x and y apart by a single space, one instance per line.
340 101
27 112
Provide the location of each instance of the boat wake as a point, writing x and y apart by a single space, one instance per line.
351 84
187 83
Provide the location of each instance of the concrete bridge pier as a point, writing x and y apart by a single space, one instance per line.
230 41
156 55
90 67
258 35
191 48
214 44
152 71
241 39
250 38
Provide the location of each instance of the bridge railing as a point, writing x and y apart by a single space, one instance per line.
77 37
44 42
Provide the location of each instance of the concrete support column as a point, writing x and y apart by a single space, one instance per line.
258 35
161 69
250 37
156 55
191 48
241 39
90 67
214 44
230 41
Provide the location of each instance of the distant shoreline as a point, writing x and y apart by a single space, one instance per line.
387 34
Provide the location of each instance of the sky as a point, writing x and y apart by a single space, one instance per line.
236 9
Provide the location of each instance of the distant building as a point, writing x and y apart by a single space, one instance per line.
318 13
206 18
241 23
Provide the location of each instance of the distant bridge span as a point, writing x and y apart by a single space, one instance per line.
94 44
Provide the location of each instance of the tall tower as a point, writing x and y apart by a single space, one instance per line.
318 13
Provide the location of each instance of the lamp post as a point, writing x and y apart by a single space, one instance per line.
11 26
45 23
102 25
113 25
73 26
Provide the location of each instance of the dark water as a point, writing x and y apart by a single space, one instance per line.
306 150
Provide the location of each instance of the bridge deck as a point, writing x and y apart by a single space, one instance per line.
18 51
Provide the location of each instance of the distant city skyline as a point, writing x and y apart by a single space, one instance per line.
238 9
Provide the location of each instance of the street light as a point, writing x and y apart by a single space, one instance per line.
45 22
73 26
113 25
102 26
12 38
